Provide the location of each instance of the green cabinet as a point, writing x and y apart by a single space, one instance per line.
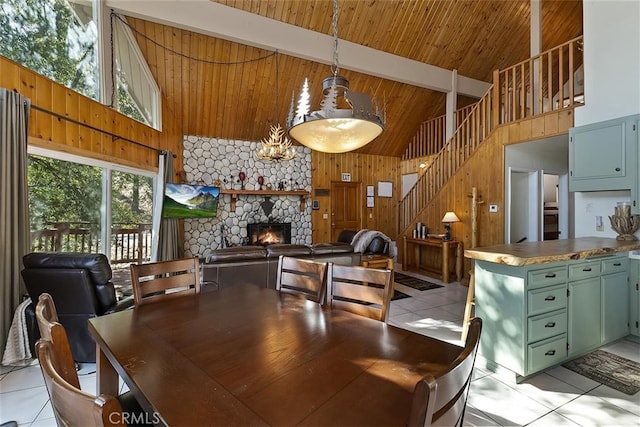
598 302
634 131
541 315
604 156
585 315
634 297
614 295
524 315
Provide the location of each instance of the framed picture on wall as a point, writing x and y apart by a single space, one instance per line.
385 189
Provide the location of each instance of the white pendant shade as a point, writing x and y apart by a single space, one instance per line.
335 135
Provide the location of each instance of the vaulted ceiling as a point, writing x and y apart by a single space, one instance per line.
217 70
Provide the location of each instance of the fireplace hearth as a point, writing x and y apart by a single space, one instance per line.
267 233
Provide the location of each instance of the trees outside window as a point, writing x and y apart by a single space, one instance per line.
56 38
68 210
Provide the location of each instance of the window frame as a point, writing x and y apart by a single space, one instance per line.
107 168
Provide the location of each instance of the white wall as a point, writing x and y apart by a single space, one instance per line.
408 181
519 212
589 205
612 89
612 60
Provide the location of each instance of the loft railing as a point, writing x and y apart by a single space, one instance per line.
129 242
547 82
430 137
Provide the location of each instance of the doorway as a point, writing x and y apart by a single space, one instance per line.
537 206
346 207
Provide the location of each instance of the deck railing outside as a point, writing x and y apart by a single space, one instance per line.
541 84
129 242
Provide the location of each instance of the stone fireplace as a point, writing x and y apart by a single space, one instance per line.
266 233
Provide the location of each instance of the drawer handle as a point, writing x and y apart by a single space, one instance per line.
550 298
617 169
586 269
617 264
550 275
550 353
550 325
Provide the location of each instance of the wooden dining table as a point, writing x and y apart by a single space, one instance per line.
246 355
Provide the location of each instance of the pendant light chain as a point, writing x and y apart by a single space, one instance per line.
277 93
345 121
336 66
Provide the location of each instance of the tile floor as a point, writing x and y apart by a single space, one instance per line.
556 397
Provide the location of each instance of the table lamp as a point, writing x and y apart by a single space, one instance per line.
448 218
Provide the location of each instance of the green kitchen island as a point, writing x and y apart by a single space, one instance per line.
543 303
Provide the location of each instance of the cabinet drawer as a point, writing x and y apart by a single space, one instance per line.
546 325
615 265
546 277
546 353
546 299
584 270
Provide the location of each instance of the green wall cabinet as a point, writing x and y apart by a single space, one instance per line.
604 156
635 190
541 315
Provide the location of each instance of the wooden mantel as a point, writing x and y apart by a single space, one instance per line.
303 194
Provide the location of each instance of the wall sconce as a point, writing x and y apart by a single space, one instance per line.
448 218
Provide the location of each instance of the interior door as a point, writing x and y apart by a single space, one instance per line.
523 204
346 207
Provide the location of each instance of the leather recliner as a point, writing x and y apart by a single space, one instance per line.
377 246
81 288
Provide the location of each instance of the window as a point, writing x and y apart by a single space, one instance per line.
73 200
56 38
59 39
137 92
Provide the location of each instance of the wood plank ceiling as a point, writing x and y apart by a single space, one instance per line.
225 89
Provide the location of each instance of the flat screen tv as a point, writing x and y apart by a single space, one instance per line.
190 201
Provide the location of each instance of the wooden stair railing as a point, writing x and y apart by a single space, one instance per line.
539 85
430 137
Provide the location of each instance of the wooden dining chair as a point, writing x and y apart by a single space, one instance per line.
361 290
51 330
302 277
71 405
156 281
441 399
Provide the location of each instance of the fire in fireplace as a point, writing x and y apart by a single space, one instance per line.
266 233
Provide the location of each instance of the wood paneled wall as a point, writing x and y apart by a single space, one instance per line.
485 171
413 165
366 169
48 131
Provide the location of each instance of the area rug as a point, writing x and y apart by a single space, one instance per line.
609 369
413 282
398 295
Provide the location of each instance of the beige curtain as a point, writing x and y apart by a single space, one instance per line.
14 206
169 244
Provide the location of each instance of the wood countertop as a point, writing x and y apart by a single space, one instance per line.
527 253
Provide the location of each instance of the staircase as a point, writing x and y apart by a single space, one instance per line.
547 82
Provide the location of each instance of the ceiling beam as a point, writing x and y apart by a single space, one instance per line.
224 22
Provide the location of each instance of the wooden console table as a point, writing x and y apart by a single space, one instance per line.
450 254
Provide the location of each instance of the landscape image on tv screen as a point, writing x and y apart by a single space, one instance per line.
190 201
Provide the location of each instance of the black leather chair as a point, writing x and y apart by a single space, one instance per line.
81 286
377 246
